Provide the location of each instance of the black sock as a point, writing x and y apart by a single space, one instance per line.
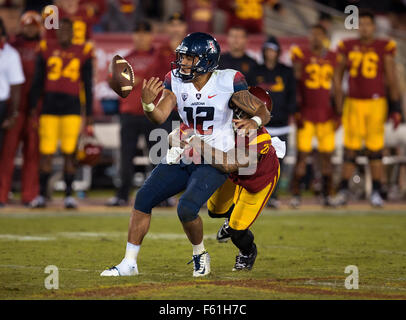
376 185
43 183
243 240
68 177
327 182
344 184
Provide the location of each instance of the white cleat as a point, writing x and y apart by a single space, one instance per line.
122 269
201 264
376 200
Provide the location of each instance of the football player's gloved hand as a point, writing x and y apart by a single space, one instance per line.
396 118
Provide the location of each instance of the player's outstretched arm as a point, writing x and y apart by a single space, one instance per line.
150 90
227 162
253 106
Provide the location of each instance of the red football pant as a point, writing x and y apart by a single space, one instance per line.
25 130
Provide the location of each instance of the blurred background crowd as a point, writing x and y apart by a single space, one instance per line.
257 37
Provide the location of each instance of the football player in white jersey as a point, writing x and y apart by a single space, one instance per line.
202 94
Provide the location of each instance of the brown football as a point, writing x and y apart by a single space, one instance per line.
121 76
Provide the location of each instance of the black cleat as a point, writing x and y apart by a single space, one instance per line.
223 234
245 262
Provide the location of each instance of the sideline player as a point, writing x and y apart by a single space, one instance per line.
314 67
25 129
202 95
60 67
241 199
370 64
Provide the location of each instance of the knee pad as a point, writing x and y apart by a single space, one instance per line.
222 215
144 201
187 210
375 155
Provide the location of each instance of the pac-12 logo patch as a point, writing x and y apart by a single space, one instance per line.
198 96
184 96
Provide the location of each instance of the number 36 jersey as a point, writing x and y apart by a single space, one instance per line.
365 66
207 110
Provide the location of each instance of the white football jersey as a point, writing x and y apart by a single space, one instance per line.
207 110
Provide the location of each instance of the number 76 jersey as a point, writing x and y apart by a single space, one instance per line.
365 66
207 111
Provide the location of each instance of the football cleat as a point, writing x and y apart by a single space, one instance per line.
341 198
328 202
223 234
201 264
376 200
38 202
70 203
295 202
116 202
243 262
122 269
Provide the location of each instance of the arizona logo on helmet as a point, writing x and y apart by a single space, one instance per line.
212 46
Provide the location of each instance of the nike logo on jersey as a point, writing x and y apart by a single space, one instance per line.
212 96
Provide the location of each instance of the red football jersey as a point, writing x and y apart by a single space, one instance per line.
315 83
63 65
28 53
365 66
267 166
144 64
83 21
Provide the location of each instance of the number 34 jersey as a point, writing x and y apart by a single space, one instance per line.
207 110
64 66
365 66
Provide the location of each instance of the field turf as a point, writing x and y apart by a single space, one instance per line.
301 255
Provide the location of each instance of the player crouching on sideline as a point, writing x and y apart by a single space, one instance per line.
244 195
59 69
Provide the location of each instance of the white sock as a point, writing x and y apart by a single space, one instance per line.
198 249
131 252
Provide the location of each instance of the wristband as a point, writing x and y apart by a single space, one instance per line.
148 107
257 120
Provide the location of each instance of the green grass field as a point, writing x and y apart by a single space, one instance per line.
301 255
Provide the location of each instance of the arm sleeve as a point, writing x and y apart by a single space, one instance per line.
87 77
15 74
239 82
291 91
167 82
38 82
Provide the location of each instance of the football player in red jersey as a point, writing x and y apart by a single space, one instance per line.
83 15
370 64
241 199
60 67
314 68
25 129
